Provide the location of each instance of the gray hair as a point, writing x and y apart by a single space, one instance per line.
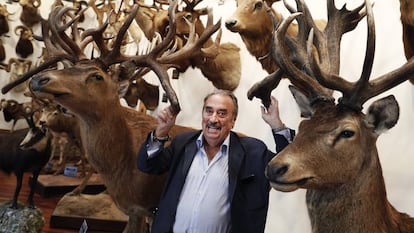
225 93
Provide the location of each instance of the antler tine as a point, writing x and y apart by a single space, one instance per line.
354 95
150 60
190 5
30 73
297 77
194 42
59 30
95 35
366 89
369 57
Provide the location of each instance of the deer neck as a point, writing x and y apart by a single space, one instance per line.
104 135
360 206
259 45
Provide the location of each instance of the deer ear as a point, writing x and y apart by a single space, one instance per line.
383 114
123 88
302 101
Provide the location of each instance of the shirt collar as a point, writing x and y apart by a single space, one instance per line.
224 147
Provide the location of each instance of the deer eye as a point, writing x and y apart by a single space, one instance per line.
99 77
94 77
258 5
188 16
346 134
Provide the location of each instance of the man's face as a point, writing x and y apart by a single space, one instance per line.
218 119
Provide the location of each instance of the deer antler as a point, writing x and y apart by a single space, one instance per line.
323 65
313 47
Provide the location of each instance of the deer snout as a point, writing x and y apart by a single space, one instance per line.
230 23
274 172
37 82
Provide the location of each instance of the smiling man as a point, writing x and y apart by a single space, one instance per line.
216 181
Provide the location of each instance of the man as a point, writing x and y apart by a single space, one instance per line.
216 181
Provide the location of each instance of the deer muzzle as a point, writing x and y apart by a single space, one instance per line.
38 82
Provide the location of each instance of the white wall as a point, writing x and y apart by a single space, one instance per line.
287 212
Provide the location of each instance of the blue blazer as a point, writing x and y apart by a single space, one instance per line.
248 186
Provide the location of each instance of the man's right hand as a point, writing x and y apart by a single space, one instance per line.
166 120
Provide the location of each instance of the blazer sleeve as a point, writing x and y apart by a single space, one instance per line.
281 141
159 162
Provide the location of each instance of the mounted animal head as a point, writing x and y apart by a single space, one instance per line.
30 13
17 67
24 46
4 20
334 154
14 111
241 20
257 37
332 129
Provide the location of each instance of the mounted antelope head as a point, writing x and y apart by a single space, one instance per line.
30 14
4 20
89 89
407 20
17 67
138 88
24 46
15 111
334 155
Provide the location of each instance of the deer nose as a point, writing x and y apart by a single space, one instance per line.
230 23
38 81
276 171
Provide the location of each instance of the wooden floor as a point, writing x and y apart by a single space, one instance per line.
46 205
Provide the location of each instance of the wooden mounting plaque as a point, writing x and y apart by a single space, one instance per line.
99 212
58 185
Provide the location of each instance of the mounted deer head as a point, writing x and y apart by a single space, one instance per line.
334 155
257 36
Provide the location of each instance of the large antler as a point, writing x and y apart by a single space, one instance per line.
323 64
356 94
325 45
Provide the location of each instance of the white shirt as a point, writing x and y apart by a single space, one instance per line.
204 205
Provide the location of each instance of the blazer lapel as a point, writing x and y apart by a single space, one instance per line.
190 151
236 157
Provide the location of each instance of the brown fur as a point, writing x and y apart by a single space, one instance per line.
341 171
111 135
257 37
256 34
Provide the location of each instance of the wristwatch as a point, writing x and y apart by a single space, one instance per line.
159 139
